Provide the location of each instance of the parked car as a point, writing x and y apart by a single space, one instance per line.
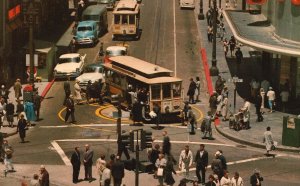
87 33
110 4
112 51
91 72
187 4
69 65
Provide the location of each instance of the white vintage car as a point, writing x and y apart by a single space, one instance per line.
69 65
92 72
113 51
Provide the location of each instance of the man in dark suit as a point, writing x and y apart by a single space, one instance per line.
75 160
69 103
166 143
67 87
117 171
88 162
256 179
201 161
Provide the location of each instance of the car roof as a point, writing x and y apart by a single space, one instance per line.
114 48
86 23
70 55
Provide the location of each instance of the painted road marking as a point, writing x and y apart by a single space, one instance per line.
68 163
237 162
61 153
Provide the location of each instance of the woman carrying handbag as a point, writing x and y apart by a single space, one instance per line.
160 165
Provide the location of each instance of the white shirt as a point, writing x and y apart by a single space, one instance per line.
271 95
105 175
225 181
238 182
246 106
185 159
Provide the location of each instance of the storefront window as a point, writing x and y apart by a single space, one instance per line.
155 92
166 91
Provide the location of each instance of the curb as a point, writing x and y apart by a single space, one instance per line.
253 144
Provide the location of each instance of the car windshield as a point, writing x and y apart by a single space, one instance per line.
84 28
69 60
92 69
112 53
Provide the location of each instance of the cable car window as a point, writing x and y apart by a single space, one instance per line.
155 92
166 90
176 89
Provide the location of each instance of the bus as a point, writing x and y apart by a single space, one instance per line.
126 16
134 80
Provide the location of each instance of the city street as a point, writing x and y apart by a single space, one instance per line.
169 38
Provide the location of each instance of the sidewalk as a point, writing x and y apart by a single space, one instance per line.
43 88
61 175
249 68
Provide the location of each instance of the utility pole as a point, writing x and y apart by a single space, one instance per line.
201 15
243 5
214 71
30 17
137 157
119 122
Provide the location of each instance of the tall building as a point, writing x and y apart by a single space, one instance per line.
274 34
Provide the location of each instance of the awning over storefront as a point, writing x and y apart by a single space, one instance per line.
256 32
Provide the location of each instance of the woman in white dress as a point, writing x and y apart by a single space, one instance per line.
262 94
77 92
219 105
225 108
268 140
197 89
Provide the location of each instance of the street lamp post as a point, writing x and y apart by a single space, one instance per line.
30 16
214 71
201 15
244 5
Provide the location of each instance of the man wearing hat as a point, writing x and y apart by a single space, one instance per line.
18 89
69 103
44 176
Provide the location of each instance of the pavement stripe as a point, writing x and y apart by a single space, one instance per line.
159 141
236 162
61 153
47 88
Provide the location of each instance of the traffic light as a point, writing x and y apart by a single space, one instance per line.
146 139
127 140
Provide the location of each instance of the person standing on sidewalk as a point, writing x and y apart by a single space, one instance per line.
198 86
201 161
268 140
185 160
258 103
44 176
284 99
237 180
216 166
213 103
254 85
100 164
191 91
21 128
117 171
271 98
75 160
18 89
225 108
225 47
238 56
4 93
160 164
30 113
219 85
10 110
8 154
88 163
232 44
70 109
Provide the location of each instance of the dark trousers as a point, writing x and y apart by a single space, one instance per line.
68 113
37 111
88 172
201 169
123 149
76 170
259 115
192 128
191 99
117 181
